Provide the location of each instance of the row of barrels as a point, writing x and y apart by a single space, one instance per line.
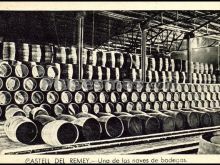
37 70
109 107
38 53
66 129
66 97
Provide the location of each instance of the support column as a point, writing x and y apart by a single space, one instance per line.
189 56
80 31
143 54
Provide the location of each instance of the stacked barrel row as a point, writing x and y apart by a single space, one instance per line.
36 126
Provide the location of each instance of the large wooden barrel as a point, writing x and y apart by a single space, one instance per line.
103 97
87 72
37 111
213 114
29 84
46 84
52 97
11 112
114 97
209 143
21 97
101 58
37 97
36 54
53 71
59 132
48 54
5 97
27 109
8 52
89 127
59 109
20 129
60 85
98 85
73 108
71 55
66 97
191 117
180 120
112 126
12 83
5 69
167 122
150 124
132 124
38 71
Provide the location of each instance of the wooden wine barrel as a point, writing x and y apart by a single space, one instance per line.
132 124
119 107
97 73
37 97
191 117
204 118
178 65
8 51
22 52
209 79
52 97
179 104
21 97
36 54
140 106
138 86
37 111
20 129
216 88
213 79
124 97
97 107
73 109
157 105
149 76
87 85
27 109
148 105
60 85
5 69
89 128
103 97
48 54
67 71
71 55
169 76
53 71
79 97
167 122
173 105
114 97
5 97
152 64
29 84
101 58
207 143
59 132
211 88
180 120
182 77
98 85
12 83
46 84
66 97
211 68
127 61
87 72
204 78
59 109
150 124
38 71
11 112
112 126
213 114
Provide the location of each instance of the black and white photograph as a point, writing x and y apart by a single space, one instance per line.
100 82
